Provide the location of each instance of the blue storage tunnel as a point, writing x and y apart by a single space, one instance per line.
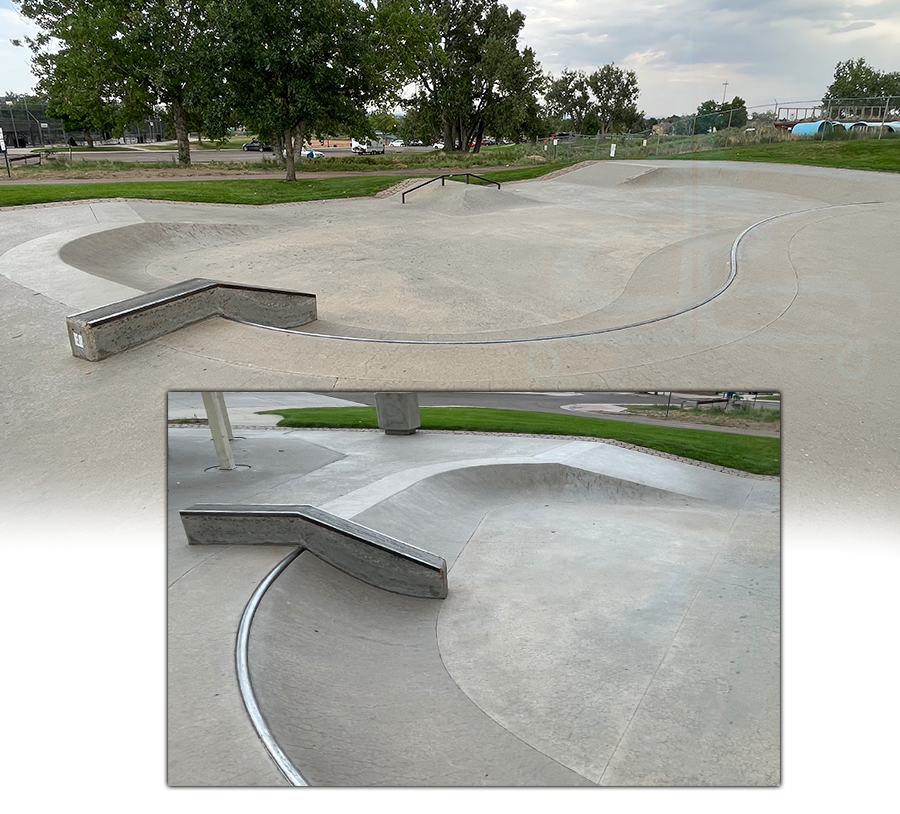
812 128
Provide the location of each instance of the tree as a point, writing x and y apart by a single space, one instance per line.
469 70
858 81
569 97
383 121
603 102
734 113
708 117
129 56
616 92
288 69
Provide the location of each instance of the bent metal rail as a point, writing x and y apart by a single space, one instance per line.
360 552
443 178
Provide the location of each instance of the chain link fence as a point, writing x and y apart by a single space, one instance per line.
831 119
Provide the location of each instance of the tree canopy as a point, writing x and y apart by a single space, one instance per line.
604 101
469 71
119 58
288 69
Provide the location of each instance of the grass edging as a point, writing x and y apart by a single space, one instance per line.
256 192
754 454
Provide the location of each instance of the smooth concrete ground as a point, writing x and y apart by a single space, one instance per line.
811 313
815 317
613 617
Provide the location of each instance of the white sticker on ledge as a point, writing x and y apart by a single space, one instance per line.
79 341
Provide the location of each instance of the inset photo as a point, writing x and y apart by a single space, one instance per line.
474 589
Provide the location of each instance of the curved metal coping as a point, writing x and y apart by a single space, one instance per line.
243 675
574 335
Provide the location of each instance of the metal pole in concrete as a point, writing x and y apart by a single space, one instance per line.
220 398
884 116
219 428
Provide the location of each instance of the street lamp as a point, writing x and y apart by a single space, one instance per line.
13 120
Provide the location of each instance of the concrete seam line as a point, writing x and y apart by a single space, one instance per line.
243 675
710 298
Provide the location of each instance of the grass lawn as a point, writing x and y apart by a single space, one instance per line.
518 174
711 415
246 191
853 154
761 456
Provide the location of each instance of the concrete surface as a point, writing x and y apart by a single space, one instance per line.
589 585
814 318
811 313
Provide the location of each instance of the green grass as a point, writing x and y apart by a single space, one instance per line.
715 415
247 191
761 456
855 154
518 174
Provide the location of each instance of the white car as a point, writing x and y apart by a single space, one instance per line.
438 145
310 153
398 142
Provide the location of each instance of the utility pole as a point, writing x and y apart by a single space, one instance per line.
13 119
725 91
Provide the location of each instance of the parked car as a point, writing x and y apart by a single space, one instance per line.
398 142
438 145
255 144
415 143
308 152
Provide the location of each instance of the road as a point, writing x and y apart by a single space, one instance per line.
204 156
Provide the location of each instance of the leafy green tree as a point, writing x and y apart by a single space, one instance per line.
470 73
134 54
383 121
286 70
615 91
856 80
604 101
569 98
734 113
708 117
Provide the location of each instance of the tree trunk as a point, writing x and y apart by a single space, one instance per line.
290 168
89 139
181 133
448 135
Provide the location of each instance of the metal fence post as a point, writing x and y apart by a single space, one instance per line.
884 117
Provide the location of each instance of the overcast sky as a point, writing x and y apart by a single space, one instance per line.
682 51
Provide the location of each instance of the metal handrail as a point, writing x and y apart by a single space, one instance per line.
442 178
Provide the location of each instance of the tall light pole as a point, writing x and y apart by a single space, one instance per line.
13 119
725 91
29 113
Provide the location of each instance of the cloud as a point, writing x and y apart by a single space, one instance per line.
852 27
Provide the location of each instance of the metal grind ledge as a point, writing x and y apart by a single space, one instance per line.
368 555
101 332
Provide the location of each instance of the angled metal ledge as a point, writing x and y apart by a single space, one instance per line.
361 552
110 329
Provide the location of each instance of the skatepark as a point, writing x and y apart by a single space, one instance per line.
612 616
616 276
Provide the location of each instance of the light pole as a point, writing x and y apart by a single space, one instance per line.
13 120
29 113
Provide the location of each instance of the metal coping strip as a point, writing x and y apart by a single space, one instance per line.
243 675
728 282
